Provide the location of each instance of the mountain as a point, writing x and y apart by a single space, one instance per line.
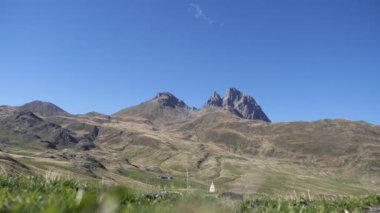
226 142
28 130
241 104
215 100
45 109
163 108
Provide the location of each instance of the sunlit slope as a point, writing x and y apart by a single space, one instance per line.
244 156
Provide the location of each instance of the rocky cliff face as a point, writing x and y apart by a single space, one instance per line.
167 99
215 100
239 103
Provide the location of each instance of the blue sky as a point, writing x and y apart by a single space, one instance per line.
300 59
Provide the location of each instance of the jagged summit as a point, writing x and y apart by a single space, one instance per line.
231 95
239 103
166 107
169 100
244 104
45 109
215 100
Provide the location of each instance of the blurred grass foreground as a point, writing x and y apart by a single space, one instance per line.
38 194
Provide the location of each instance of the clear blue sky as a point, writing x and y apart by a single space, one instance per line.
300 59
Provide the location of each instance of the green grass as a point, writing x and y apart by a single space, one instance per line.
323 204
36 194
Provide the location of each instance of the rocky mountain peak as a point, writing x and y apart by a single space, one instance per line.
243 105
45 109
231 95
215 100
169 100
238 103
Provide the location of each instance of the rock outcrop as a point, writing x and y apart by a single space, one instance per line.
215 100
167 99
238 103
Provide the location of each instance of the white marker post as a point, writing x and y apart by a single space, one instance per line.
212 187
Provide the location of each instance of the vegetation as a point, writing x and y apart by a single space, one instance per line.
338 157
46 194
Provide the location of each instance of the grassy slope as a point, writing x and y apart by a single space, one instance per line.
239 155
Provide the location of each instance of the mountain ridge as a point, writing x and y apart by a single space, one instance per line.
234 100
165 136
